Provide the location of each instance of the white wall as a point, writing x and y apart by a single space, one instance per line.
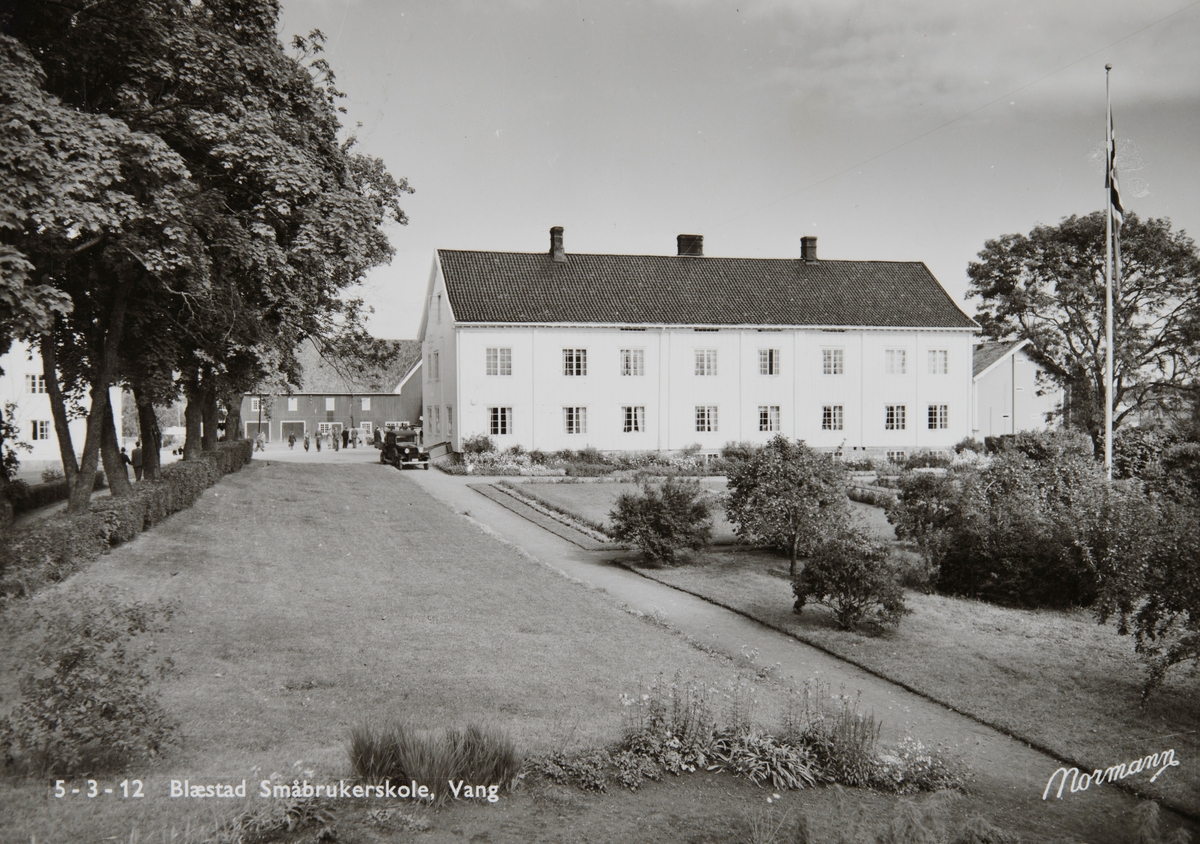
439 388
36 407
670 390
1006 398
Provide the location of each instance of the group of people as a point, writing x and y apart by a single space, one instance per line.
349 438
134 460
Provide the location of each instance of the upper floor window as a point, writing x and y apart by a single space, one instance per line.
895 362
706 361
499 361
768 362
255 404
35 383
435 369
293 403
330 404
366 403
574 361
939 361
833 362
438 307
633 362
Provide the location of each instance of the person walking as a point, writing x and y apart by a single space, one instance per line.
291 442
136 459
319 442
260 441
345 437
125 461
306 442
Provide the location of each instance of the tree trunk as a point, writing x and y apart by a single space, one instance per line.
151 435
233 417
110 453
58 408
193 415
792 570
82 493
210 419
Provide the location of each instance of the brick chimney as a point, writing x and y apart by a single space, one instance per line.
808 248
690 245
557 253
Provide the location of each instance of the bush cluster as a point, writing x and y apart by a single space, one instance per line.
663 519
85 705
852 575
26 497
55 547
673 728
479 456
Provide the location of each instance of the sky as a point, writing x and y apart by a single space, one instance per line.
908 131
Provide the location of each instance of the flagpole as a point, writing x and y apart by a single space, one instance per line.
1108 294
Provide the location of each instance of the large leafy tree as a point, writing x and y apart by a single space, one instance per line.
787 495
1048 287
286 215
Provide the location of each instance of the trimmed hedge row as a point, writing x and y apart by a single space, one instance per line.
26 497
58 546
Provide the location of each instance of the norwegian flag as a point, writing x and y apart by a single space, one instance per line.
1110 179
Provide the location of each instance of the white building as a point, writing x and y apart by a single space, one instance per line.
650 352
1005 394
23 385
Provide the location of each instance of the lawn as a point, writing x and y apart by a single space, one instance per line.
1054 678
315 597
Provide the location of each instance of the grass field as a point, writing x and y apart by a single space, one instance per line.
1054 678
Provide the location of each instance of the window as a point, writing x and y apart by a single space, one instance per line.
330 404
449 420
575 362
633 362
35 383
437 420
428 414
635 419
895 418
833 362
41 430
434 367
499 361
832 417
706 418
366 403
768 361
706 361
768 417
439 307
293 404
897 456
939 416
939 361
255 405
575 420
500 420
894 362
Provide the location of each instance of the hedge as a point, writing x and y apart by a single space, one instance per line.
27 497
56 547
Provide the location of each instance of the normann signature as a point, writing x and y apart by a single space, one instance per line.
1080 782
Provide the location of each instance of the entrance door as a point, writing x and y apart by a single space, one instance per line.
294 427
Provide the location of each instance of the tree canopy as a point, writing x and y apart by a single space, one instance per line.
1048 287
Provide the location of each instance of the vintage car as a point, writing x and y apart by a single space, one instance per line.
401 448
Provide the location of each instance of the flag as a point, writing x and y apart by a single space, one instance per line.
1110 179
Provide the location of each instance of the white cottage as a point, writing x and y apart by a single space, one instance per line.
657 352
1008 394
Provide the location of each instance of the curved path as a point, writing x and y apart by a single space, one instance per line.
1004 769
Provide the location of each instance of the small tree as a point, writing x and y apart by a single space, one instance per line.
663 520
787 495
850 574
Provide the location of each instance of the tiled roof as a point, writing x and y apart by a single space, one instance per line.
320 377
518 287
985 354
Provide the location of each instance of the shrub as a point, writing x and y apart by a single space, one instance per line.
968 444
760 757
400 752
51 475
851 574
586 770
927 460
477 444
738 451
786 495
84 704
663 520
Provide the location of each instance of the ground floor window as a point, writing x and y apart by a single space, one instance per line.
706 418
939 416
897 456
500 420
41 429
768 417
635 419
894 420
832 417
575 420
